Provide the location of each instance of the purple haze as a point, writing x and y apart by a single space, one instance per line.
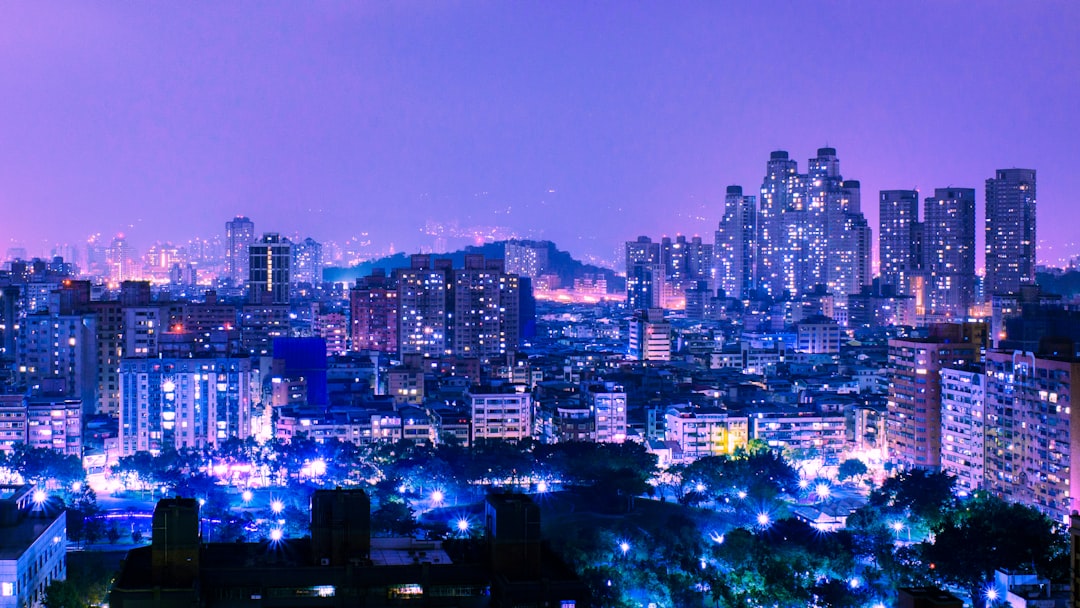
585 123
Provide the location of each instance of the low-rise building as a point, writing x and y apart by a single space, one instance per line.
33 547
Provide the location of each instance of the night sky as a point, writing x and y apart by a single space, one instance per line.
587 123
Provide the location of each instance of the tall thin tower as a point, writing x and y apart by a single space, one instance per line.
239 233
1010 230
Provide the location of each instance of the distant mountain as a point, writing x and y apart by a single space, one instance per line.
560 263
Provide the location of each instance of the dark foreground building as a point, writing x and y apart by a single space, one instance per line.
341 565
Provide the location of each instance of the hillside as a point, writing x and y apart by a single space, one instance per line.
560 263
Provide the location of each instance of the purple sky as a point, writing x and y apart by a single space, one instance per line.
585 123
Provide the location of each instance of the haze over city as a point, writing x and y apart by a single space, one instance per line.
586 125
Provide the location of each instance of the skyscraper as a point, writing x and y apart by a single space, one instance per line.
899 238
239 233
780 220
736 245
949 250
812 231
1010 231
269 265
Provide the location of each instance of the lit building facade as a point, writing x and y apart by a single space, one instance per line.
650 336
914 402
1031 432
239 233
269 269
184 403
500 415
1010 231
949 250
697 432
963 425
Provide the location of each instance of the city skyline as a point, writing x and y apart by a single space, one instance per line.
334 120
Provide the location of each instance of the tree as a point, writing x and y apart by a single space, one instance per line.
394 518
924 494
851 468
987 534
63 594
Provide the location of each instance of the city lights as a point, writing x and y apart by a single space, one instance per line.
541 487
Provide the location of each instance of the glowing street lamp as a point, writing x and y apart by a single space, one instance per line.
462 525
277 506
699 487
624 547
318 467
437 497
822 490
991 594
541 487
763 519
39 497
803 484
247 495
276 534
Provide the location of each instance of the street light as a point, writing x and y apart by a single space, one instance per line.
822 490
247 495
40 496
277 506
437 497
624 547
763 519
541 487
276 535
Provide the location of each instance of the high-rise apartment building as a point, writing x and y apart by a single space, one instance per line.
270 269
239 233
913 426
899 239
526 260
373 314
812 231
486 300
307 262
963 420
184 403
644 273
736 245
1010 231
949 250
1031 431
782 221
424 307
